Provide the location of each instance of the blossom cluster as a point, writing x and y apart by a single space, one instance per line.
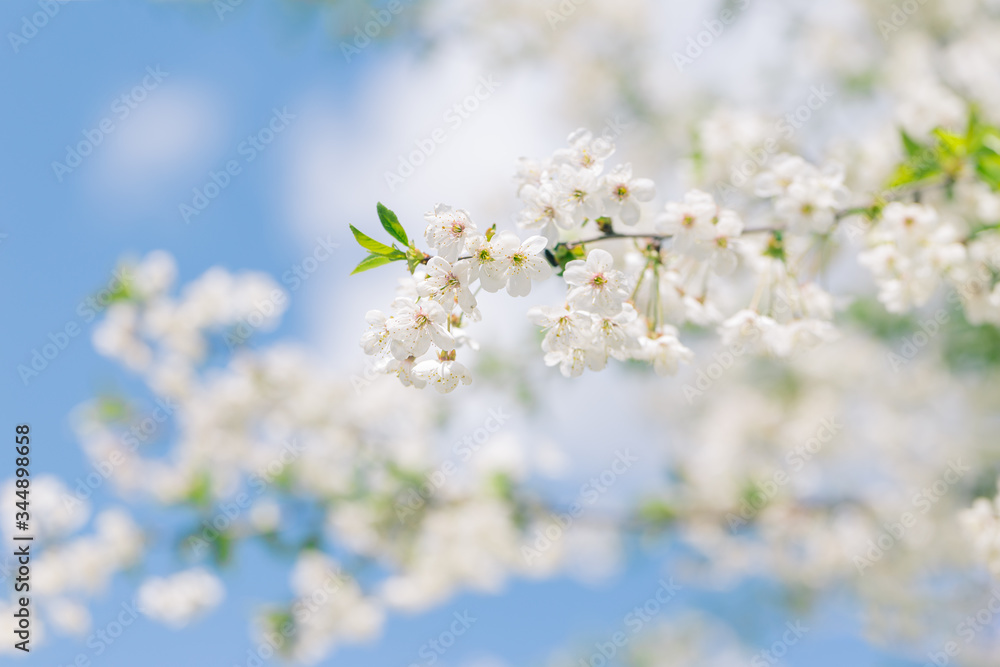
257 433
71 567
628 293
418 341
910 251
561 195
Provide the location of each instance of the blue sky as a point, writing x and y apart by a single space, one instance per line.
222 80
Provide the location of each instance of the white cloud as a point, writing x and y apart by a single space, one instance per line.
170 133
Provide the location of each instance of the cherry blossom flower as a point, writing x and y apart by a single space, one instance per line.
449 284
448 230
564 327
623 193
690 221
413 326
444 374
595 285
585 152
547 211
663 349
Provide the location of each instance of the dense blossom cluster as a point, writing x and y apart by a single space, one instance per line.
910 251
628 292
627 305
429 317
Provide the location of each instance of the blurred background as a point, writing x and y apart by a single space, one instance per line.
249 134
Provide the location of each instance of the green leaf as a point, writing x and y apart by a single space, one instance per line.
910 145
502 485
371 262
414 258
988 169
563 255
656 512
370 244
222 548
200 492
950 143
915 172
775 246
391 224
112 409
921 163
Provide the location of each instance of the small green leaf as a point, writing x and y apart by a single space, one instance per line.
414 257
563 255
222 549
370 244
921 163
775 246
915 172
371 262
111 409
950 143
391 224
988 169
657 513
910 145
200 492
502 485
